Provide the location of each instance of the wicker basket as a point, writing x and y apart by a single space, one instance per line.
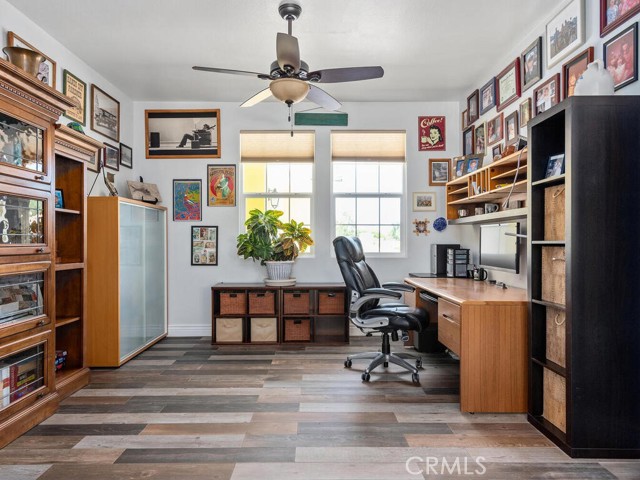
553 274
264 329
262 303
228 330
556 336
297 330
555 399
296 303
330 303
233 303
554 210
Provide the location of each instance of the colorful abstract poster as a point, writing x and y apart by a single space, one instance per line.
187 200
221 185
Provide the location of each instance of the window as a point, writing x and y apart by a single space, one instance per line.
368 178
277 173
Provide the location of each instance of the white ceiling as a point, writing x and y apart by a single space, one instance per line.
429 49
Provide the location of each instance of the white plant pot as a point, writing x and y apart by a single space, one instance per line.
279 270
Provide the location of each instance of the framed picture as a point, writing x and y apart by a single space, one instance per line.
47 70
424 201
105 114
572 70
472 107
461 166
494 129
204 245
221 185
187 200
76 89
565 32
621 57
555 166
508 85
487 96
496 151
147 192
473 163
126 156
431 133
614 13
525 113
111 157
481 140
531 64
463 122
547 95
511 128
59 198
182 133
439 171
468 141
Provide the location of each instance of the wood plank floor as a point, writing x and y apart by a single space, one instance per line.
187 410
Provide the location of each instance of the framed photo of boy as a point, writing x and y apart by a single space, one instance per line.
204 246
531 64
547 95
508 85
438 171
555 166
511 128
494 129
487 96
468 141
461 166
621 57
572 70
59 198
424 201
473 163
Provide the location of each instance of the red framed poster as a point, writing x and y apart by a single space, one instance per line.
431 133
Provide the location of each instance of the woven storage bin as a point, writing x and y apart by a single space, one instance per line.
233 303
262 303
553 274
554 210
554 402
228 330
264 330
297 330
556 335
296 303
330 303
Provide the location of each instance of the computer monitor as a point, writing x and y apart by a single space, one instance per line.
499 246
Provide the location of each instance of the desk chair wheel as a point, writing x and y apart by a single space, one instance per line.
419 363
348 363
366 377
415 378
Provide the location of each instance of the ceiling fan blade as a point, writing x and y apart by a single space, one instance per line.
322 98
257 98
233 72
348 74
288 52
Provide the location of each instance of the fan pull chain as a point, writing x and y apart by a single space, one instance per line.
290 120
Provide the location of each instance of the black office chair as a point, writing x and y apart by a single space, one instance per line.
370 316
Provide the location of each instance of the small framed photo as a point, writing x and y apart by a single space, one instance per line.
468 141
204 246
621 57
59 198
508 85
182 133
481 139
126 156
547 95
111 157
555 166
461 166
496 151
46 70
438 171
463 122
494 129
511 128
565 32
572 70
487 96
431 133
525 113
614 13
105 114
221 185
75 89
473 163
424 201
472 108
187 200
531 64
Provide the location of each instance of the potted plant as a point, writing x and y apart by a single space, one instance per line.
274 243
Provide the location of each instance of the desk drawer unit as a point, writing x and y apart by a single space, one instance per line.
449 325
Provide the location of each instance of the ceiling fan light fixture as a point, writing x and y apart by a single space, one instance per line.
289 90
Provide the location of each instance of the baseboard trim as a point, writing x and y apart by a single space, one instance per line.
190 330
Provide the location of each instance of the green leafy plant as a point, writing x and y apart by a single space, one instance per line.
269 239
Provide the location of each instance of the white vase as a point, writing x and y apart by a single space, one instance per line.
596 80
279 270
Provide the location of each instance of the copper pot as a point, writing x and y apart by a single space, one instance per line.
25 59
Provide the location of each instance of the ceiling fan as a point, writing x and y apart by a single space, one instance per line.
291 80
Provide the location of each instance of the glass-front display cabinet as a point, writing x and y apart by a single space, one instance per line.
24 221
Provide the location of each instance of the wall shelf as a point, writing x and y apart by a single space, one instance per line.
491 217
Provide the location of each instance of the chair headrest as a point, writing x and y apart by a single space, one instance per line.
351 246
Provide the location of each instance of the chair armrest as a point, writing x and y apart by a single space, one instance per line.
372 293
398 287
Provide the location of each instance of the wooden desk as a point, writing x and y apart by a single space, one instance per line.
486 327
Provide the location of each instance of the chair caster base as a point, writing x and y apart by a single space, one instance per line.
366 377
419 363
348 363
415 378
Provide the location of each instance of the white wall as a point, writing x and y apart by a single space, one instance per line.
189 286
592 39
13 20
